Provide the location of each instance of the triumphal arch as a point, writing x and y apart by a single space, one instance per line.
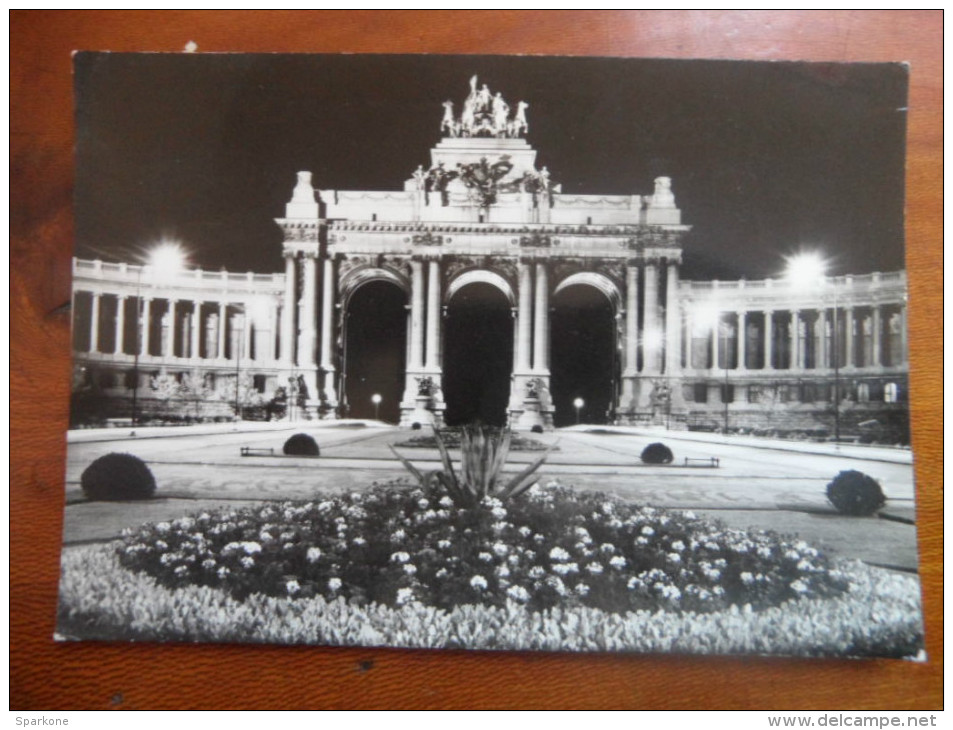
480 290
482 225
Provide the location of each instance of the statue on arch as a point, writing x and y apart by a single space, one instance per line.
449 124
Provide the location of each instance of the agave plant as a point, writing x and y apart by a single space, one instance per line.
483 455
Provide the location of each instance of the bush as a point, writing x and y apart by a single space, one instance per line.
657 453
301 444
537 429
117 477
855 493
416 426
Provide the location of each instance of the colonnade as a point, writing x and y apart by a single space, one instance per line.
803 339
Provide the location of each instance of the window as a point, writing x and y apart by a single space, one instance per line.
701 393
727 394
755 394
259 381
891 393
863 393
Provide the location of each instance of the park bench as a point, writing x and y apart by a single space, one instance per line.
709 462
118 422
255 451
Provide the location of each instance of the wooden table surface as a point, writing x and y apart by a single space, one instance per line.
45 675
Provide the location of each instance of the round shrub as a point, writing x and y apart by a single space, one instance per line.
537 428
416 426
855 493
118 477
301 444
657 453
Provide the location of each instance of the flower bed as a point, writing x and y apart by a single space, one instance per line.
878 616
394 545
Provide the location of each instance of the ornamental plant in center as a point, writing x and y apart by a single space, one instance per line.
483 453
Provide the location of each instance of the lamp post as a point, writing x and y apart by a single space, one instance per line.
803 273
376 400
578 403
167 258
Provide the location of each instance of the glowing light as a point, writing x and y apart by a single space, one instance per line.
167 258
376 399
805 270
579 402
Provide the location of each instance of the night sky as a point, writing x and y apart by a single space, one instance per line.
766 158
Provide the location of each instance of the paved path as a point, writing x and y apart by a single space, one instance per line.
776 488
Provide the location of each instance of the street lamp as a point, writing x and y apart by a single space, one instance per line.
165 259
805 272
578 403
376 400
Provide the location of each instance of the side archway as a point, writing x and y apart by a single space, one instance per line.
585 359
481 276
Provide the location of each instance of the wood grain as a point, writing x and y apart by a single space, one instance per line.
44 675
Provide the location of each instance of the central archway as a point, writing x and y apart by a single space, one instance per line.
374 345
478 355
584 361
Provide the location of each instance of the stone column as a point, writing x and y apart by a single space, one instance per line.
651 331
524 345
849 337
631 367
120 324
172 327
246 334
308 327
795 336
769 340
433 316
715 337
222 328
742 341
94 324
672 321
327 330
145 325
689 345
875 328
287 310
416 359
196 332
821 341
541 325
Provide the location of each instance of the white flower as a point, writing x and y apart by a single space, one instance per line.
398 535
251 548
292 587
446 502
162 545
248 562
334 584
536 572
641 541
359 541
565 568
208 564
557 553
443 544
747 578
689 515
582 589
557 584
404 596
503 571
648 531
582 534
313 554
764 552
607 547
678 546
498 512
800 586
410 568
181 571
674 557
500 549
634 583
617 562
442 573
525 531
478 582
518 594
594 568
423 503
399 557
485 557
163 527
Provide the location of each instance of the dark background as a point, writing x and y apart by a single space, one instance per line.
45 675
766 158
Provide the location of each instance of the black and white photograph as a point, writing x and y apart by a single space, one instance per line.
494 353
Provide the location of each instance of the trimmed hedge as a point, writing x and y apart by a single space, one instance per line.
657 453
854 493
301 444
118 477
